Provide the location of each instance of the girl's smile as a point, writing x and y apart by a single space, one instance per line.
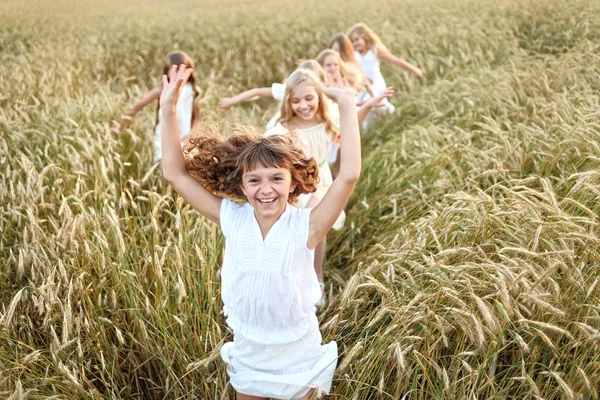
331 64
359 43
305 102
267 190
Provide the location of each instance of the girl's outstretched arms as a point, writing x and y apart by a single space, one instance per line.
228 102
399 62
323 216
376 101
141 103
173 163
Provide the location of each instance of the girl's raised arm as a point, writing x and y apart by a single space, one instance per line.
228 102
385 54
323 216
141 103
376 101
173 163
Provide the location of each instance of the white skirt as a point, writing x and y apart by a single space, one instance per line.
280 371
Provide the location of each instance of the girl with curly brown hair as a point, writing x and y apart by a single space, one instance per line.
269 285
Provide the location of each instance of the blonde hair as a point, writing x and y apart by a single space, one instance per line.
345 45
305 77
370 37
353 75
316 68
219 162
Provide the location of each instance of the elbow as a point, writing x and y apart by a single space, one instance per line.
168 174
350 177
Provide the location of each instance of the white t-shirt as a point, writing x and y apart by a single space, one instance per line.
269 287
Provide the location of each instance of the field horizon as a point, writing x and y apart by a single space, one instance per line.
470 260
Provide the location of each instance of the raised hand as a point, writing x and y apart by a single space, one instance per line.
173 83
226 103
337 88
377 101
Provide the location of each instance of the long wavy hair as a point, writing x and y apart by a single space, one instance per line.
305 77
178 58
370 37
316 68
219 162
345 45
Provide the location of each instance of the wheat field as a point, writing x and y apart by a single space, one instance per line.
469 266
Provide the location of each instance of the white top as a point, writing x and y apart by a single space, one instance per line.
269 287
370 65
185 107
314 141
278 91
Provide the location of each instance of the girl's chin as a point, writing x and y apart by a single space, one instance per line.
307 118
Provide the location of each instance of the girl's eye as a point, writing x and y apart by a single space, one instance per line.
253 180
309 98
278 178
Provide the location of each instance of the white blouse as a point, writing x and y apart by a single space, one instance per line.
269 287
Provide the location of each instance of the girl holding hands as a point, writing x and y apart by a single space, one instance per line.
269 285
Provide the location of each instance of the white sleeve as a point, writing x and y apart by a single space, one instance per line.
334 115
185 107
228 216
304 224
278 91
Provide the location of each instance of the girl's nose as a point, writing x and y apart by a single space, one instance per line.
266 188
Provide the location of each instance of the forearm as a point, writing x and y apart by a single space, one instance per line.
173 163
350 159
405 65
363 111
248 94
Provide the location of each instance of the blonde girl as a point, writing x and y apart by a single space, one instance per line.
332 62
276 91
369 50
305 113
269 285
188 109
306 116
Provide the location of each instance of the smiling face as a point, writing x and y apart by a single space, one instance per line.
267 190
331 64
304 102
358 42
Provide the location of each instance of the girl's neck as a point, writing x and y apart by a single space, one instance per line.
265 224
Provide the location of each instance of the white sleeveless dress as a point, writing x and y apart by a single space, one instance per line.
269 288
370 65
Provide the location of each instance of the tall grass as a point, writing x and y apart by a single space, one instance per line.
468 267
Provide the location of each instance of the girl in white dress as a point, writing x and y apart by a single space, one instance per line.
276 91
269 285
306 114
188 110
369 50
332 62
